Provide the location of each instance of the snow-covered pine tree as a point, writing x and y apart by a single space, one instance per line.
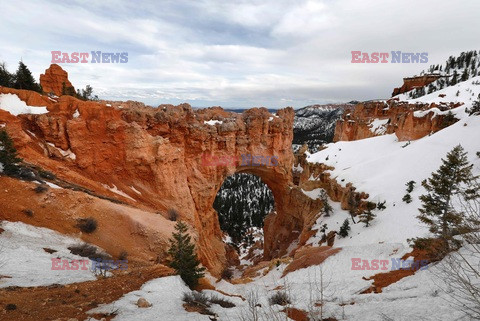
327 208
437 210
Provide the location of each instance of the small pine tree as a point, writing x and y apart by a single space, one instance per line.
327 208
407 198
381 205
8 154
184 258
410 186
344 229
437 210
24 79
367 216
465 74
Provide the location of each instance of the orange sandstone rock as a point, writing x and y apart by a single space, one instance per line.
55 80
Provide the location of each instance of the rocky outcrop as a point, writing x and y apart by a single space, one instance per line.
407 121
153 158
410 83
317 175
55 80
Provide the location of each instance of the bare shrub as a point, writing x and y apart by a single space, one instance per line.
458 273
221 302
173 215
28 212
197 302
195 297
280 298
88 251
87 225
123 255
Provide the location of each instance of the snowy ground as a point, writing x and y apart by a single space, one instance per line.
23 262
419 297
379 166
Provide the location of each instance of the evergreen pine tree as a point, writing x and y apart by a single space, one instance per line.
407 198
367 216
6 78
8 154
453 81
24 79
327 208
465 74
184 258
437 210
410 186
345 228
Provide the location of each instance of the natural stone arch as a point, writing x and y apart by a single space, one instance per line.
159 151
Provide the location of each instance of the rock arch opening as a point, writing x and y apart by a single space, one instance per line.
242 203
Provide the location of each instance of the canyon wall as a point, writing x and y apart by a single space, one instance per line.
409 121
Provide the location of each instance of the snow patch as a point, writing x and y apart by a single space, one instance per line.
15 106
212 122
24 262
378 126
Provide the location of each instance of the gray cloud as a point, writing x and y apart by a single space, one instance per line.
237 54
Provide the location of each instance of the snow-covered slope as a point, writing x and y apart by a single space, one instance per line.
465 92
24 261
381 166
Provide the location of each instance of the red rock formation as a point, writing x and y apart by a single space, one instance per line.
158 152
410 83
55 80
399 118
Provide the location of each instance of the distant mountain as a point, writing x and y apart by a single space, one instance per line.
315 125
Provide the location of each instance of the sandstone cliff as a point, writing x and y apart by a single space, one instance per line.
410 83
375 118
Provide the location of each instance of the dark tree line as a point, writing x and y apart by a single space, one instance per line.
21 79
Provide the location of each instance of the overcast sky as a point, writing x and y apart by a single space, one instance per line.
237 53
